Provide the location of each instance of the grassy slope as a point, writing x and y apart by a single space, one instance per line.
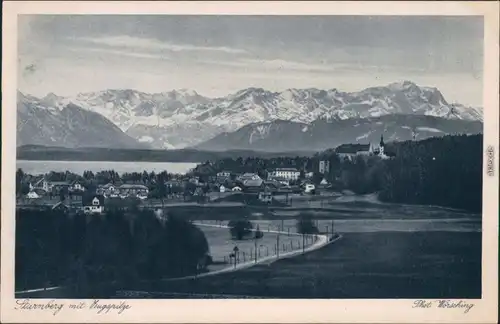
367 265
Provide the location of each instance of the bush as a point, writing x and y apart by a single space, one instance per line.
305 225
240 228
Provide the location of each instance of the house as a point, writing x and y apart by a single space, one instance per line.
57 186
309 188
253 183
77 186
323 182
133 190
194 180
60 206
52 186
93 204
324 167
106 189
280 180
350 151
236 189
32 195
222 188
249 176
266 196
39 191
109 188
309 175
287 173
224 174
43 184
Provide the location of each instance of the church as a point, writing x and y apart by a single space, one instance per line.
378 150
350 151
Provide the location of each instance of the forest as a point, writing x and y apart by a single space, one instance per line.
82 252
438 171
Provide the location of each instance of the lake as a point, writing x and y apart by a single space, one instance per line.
39 167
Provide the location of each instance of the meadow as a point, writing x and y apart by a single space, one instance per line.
221 244
435 264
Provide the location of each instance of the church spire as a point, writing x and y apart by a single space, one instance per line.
382 140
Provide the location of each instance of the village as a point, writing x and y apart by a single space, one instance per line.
183 189
91 194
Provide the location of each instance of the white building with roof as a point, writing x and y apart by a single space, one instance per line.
285 173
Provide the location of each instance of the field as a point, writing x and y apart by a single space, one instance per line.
222 245
387 251
361 265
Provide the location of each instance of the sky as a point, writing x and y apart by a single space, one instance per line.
218 55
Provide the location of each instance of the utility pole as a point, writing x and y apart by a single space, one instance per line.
255 248
278 246
303 243
235 253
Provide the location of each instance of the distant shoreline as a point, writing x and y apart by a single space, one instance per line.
78 167
44 153
45 159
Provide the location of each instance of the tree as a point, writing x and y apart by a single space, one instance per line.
19 180
61 250
317 177
25 188
62 195
258 233
240 228
161 188
88 175
305 225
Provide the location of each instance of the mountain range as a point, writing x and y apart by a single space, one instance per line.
324 134
253 117
39 123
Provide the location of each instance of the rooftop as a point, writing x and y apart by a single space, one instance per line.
87 200
60 183
133 186
253 183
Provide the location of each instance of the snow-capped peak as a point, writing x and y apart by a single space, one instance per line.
182 117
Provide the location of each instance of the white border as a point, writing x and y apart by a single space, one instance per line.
258 311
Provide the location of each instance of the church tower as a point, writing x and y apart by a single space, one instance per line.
382 144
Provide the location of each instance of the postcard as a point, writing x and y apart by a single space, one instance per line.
250 162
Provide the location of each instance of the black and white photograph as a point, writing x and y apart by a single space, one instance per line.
249 156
